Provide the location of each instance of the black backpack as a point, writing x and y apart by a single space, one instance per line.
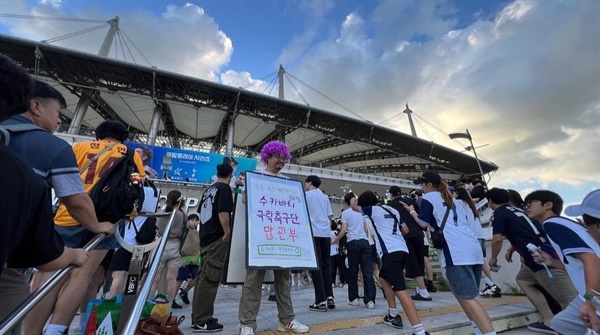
147 232
115 197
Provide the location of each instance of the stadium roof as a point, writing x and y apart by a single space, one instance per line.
197 113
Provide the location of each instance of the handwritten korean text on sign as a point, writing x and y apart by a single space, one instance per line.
278 224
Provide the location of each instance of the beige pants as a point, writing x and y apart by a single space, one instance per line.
13 290
252 293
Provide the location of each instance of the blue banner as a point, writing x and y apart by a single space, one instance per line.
191 166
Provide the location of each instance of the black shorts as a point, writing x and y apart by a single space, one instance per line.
415 262
120 260
426 251
393 269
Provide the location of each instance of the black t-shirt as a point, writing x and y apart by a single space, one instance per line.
513 223
414 230
27 235
216 199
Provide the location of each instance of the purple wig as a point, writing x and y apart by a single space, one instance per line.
274 148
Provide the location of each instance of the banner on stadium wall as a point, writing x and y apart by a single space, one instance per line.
190 166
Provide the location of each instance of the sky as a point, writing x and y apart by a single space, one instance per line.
522 76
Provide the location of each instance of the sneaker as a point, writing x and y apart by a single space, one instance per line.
175 305
491 291
395 322
540 327
294 327
272 298
370 305
330 303
426 333
419 297
321 307
184 296
210 327
353 302
245 330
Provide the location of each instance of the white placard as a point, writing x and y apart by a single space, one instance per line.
278 225
235 265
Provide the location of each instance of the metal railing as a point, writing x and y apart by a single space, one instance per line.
136 313
17 315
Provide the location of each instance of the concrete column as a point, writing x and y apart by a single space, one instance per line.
154 125
82 106
230 133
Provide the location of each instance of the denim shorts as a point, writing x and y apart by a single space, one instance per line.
78 237
464 280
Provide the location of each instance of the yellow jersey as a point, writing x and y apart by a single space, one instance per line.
84 151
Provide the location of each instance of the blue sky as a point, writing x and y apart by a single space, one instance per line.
521 75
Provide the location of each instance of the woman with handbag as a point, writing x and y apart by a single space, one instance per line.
461 254
171 259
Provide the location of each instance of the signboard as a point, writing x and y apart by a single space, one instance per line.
234 271
190 166
279 233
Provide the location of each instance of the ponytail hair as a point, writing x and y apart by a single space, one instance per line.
445 193
173 200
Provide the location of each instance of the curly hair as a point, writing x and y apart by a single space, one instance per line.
275 148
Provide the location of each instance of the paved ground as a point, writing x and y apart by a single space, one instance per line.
442 316
438 316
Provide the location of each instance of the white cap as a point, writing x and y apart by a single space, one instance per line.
590 206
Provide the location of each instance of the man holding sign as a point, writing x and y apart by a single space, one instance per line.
274 155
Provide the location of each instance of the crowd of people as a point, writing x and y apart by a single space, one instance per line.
380 241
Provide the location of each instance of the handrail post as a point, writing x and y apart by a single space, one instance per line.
132 322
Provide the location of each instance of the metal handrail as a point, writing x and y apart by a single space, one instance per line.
136 314
17 315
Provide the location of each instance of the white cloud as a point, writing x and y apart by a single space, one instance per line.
527 81
182 39
53 3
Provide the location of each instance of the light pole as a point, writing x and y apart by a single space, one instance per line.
467 135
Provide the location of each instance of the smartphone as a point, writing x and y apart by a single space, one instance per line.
495 268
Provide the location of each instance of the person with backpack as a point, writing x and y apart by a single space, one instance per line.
95 160
27 234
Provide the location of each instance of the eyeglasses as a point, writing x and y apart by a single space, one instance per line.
528 203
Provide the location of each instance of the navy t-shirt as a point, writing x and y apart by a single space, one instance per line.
414 230
513 223
27 235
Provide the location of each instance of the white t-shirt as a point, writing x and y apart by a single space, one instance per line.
319 210
383 224
473 221
462 247
355 222
567 238
335 248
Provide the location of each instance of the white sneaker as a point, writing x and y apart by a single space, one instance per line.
294 327
353 302
370 305
244 330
